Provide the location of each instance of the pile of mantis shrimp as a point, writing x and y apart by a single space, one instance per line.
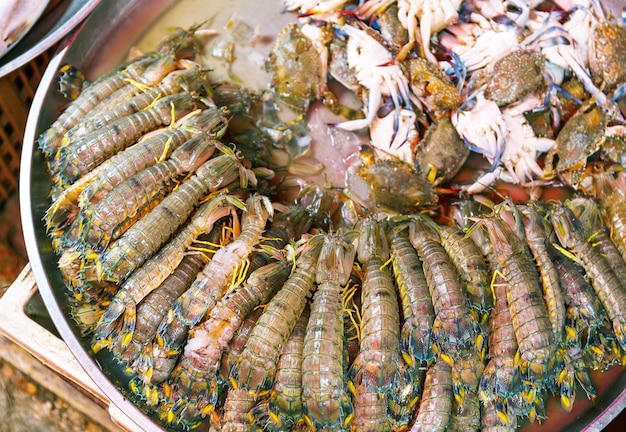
237 295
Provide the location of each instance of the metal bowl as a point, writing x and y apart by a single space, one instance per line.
94 49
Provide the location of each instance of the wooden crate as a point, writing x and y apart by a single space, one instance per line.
37 352
17 90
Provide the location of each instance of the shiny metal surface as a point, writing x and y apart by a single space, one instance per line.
94 49
47 31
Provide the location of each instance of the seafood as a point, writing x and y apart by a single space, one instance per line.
256 367
191 79
608 288
529 313
325 397
98 225
433 88
483 127
415 336
396 186
494 420
527 69
298 72
590 216
193 388
378 372
154 306
273 321
182 43
232 353
470 264
441 153
453 328
432 17
612 200
156 269
311 208
376 71
284 407
51 140
501 378
606 55
435 408
479 44
587 323
89 151
580 137
149 233
94 186
227 264
210 122
573 371
465 414
539 244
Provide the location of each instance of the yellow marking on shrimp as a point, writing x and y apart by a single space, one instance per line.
154 101
596 350
166 149
155 397
592 236
142 87
127 338
445 357
566 402
208 243
569 254
351 387
167 390
517 358
529 396
309 422
207 410
239 275
134 387
386 263
149 373
570 334
160 341
170 416
275 417
348 419
503 417
96 347
480 340
407 358
432 173
458 398
233 383
354 314
562 376
492 284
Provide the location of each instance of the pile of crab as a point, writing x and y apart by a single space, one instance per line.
237 295
513 81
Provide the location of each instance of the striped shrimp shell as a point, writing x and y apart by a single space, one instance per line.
324 393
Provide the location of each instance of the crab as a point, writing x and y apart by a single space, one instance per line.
480 44
421 18
376 71
507 141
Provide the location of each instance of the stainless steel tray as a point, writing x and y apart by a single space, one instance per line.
94 49
48 30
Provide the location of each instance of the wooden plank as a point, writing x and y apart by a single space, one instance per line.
51 351
76 397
